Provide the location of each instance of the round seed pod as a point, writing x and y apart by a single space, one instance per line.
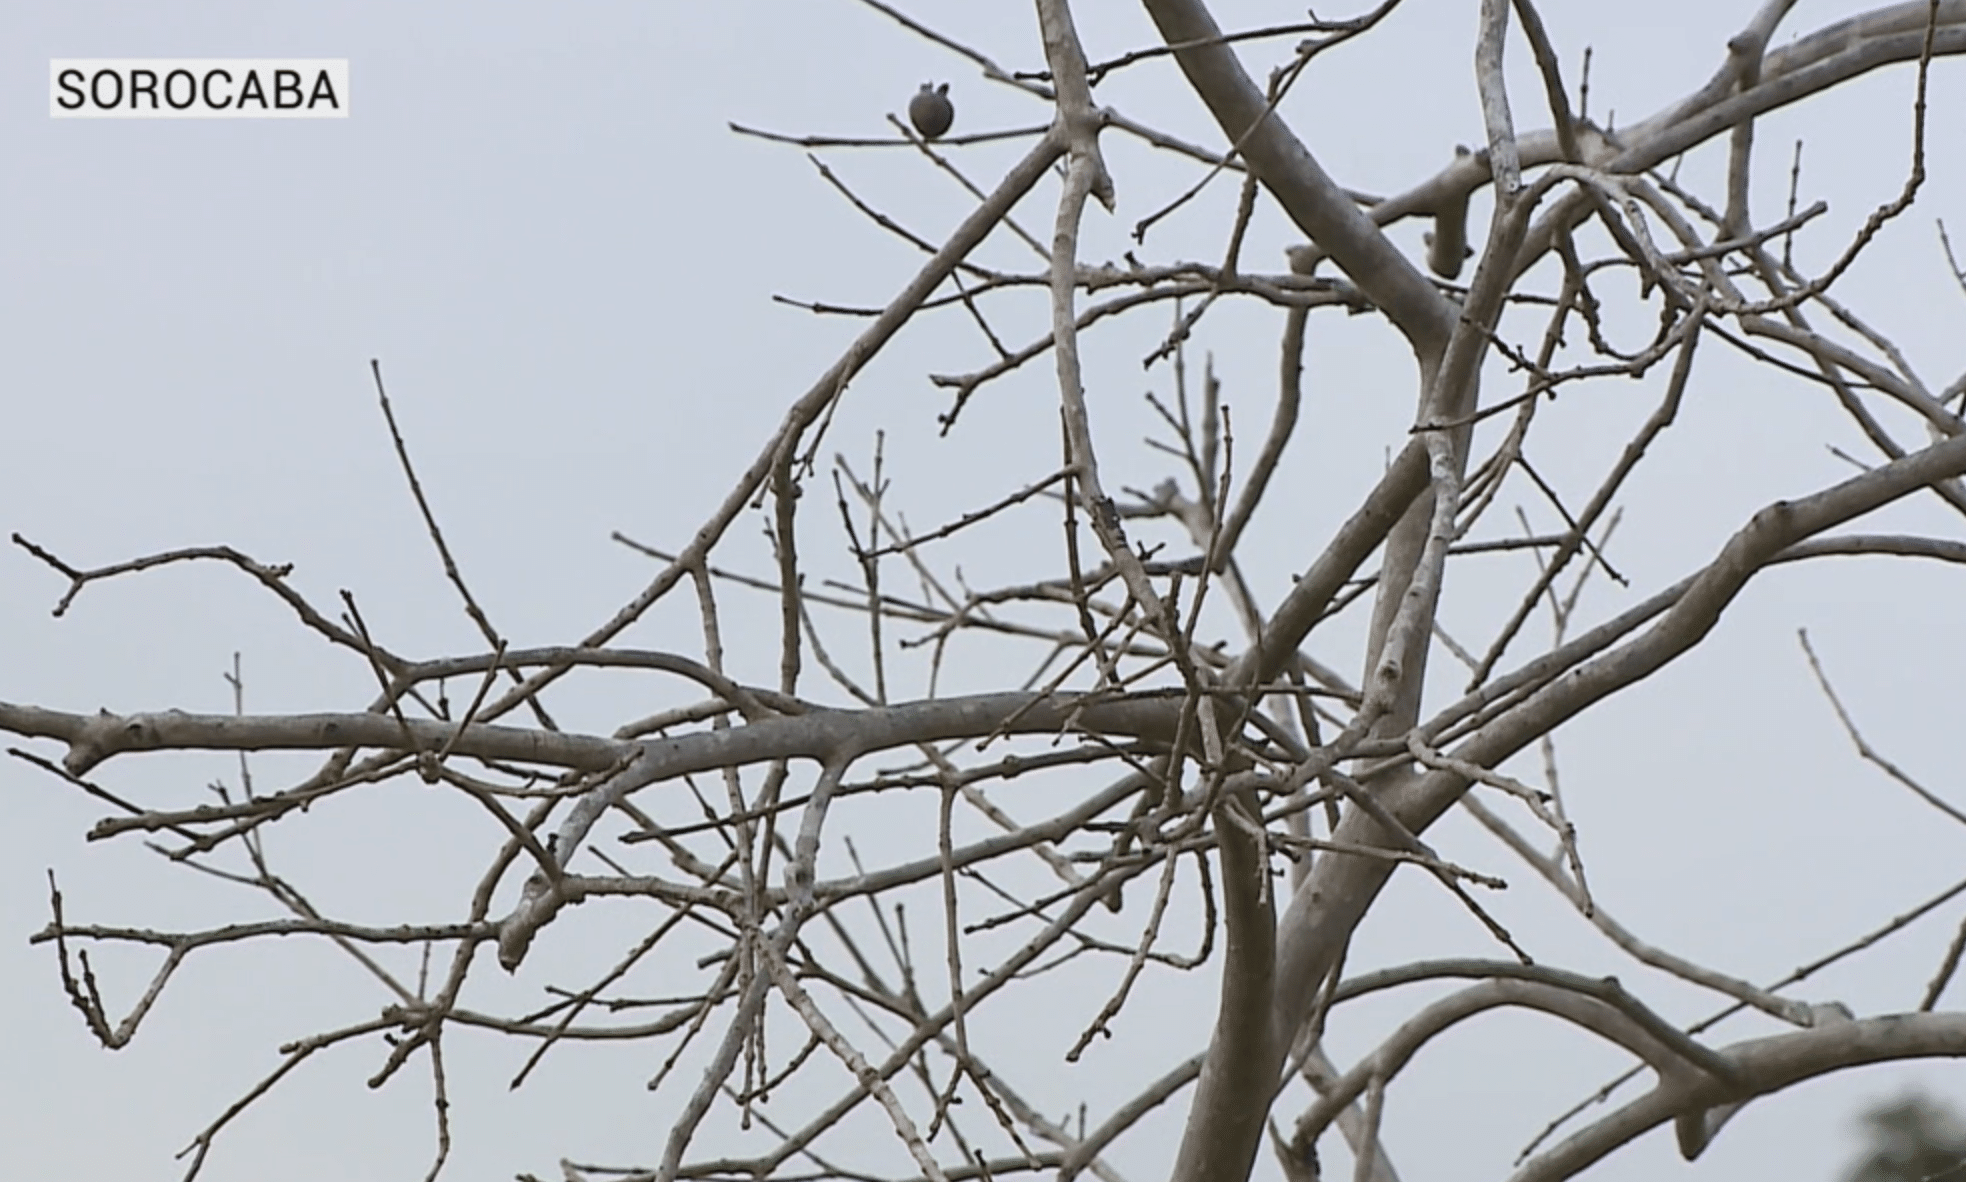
930 110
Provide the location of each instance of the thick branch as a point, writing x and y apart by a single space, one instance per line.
1238 1078
1286 167
1762 1065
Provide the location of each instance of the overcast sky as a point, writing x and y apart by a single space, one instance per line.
538 220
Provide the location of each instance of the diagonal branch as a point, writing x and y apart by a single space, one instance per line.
1316 203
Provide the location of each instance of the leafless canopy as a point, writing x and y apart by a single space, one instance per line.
1143 762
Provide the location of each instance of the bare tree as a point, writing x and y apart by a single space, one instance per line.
1168 761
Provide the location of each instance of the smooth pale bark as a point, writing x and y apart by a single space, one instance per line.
1301 187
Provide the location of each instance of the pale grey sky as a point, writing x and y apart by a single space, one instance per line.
538 220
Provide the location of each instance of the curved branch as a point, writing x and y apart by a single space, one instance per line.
1807 66
1764 1065
1560 995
